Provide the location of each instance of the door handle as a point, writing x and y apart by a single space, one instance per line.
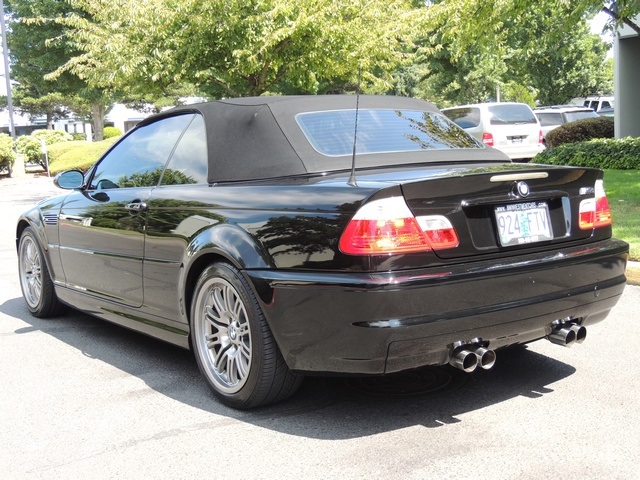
137 207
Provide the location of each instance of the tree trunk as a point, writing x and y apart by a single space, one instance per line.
97 113
49 121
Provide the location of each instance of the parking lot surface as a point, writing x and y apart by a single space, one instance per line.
81 398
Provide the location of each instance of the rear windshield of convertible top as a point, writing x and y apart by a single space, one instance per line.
331 132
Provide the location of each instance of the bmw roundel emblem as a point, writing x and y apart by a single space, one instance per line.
523 189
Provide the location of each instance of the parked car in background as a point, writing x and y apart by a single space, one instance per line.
511 128
606 112
554 116
594 102
249 231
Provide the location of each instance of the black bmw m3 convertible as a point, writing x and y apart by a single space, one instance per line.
282 236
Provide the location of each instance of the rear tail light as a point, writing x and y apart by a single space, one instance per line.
387 226
595 212
541 137
487 138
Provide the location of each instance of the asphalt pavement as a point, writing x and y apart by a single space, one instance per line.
83 399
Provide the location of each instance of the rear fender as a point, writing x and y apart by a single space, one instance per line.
230 242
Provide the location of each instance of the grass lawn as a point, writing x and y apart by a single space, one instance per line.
623 193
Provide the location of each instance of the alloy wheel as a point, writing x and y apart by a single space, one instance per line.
223 335
31 271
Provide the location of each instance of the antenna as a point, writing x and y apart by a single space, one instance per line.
352 178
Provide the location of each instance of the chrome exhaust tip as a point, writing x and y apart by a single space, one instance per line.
486 357
580 331
563 335
465 360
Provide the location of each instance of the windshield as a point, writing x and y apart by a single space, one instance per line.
331 133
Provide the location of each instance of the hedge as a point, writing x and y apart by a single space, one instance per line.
56 150
580 131
81 156
615 154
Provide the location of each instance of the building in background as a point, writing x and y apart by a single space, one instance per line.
625 79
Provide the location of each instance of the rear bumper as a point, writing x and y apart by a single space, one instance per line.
385 322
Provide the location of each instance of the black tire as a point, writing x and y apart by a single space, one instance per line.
35 280
233 345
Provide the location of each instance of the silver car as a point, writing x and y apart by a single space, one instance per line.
511 128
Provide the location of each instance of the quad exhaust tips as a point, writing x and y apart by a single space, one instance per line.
566 332
468 356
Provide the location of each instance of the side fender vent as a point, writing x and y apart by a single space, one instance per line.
51 219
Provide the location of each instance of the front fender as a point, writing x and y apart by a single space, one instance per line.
31 218
43 220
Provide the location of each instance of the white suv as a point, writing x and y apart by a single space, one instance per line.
510 127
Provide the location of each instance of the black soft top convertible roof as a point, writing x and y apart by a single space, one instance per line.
258 137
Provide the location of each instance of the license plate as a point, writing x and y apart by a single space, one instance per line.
522 223
517 139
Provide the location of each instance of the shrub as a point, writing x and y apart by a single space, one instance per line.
110 132
52 136
615 154
7 155
31 146
580 131
79 136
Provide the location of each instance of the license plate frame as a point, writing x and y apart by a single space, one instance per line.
523 223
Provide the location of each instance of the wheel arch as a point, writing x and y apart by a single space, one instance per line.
36 227
22 225
222 243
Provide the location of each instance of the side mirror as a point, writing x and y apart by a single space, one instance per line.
69 180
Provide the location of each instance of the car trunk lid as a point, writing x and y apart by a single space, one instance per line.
510 208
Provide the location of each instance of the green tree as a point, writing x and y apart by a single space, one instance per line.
573 65
529 51
239 47
35 52
37 48
485 23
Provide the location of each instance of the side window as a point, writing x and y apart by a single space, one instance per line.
138 160
188 163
